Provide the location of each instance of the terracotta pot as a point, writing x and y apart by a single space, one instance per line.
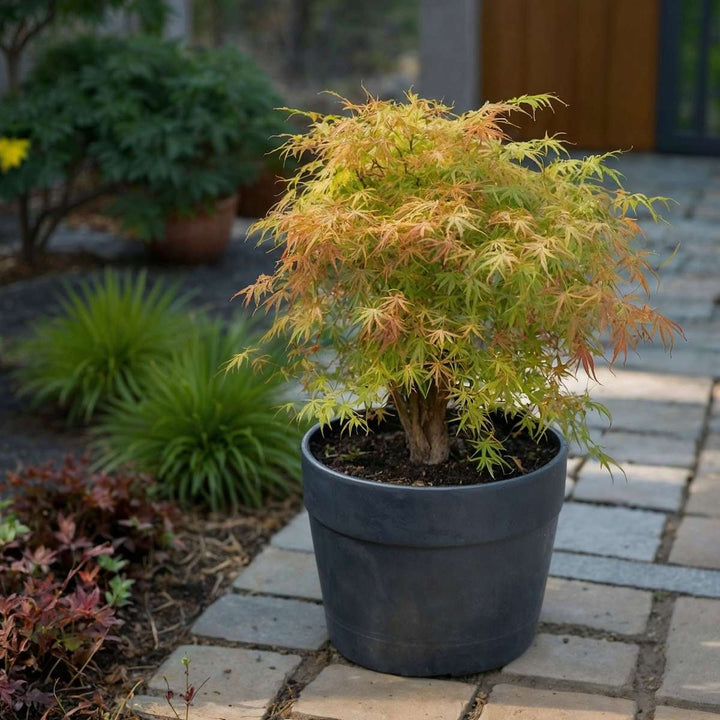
258 198
198 239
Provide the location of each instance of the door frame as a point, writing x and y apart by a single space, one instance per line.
668 138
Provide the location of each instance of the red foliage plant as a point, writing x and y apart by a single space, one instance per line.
56 535
67 508
435 269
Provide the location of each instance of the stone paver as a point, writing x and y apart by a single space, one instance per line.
697 543
709 461
692 359
282 572
620 610
514 702
650 576
573 465
648 486
620 532
343 692
680 419
692 668
704 496
649 449
264 621
630 384
577 659
671 713
295 535
240 683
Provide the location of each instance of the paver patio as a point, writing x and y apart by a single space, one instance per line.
631 623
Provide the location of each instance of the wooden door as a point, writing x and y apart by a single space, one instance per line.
599 56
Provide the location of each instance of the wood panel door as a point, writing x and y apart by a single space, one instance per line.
598 56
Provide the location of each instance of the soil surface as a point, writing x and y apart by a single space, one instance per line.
13 269
382 456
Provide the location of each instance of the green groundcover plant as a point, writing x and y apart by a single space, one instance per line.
211 437
434 269
102 343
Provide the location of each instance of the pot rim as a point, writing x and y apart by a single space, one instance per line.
508 483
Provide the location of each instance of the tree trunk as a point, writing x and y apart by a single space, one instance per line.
27 231
12 64
423 420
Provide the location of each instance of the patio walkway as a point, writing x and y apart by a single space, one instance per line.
631 622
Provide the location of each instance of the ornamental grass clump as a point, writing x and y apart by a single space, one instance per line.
211 437
101 343
434 269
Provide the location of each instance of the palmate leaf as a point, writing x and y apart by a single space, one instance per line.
211 436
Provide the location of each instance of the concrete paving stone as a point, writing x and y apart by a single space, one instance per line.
679 419
689 287
649 449
345 692
649 486
619 532
697 543
645 575
692 666
702 334
573 465
714 424
704 498
684 311
295 535
638 385
282 572
577 450
577 659
514 702
698 358
671 713
569 487
240 683
264 621
615 609
709 460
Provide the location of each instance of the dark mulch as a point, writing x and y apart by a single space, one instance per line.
13 269
382 456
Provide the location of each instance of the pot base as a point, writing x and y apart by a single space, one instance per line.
416 660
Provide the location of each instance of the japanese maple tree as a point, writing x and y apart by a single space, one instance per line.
435 269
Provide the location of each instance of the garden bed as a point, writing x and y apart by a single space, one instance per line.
212 550
100 582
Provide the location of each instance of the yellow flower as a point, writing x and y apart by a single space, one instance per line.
12 152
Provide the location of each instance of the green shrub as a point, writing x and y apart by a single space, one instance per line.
167 130
209 436
22 22
102 343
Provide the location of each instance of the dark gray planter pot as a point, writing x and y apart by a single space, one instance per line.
432 581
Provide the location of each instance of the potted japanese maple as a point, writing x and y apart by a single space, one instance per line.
438 285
